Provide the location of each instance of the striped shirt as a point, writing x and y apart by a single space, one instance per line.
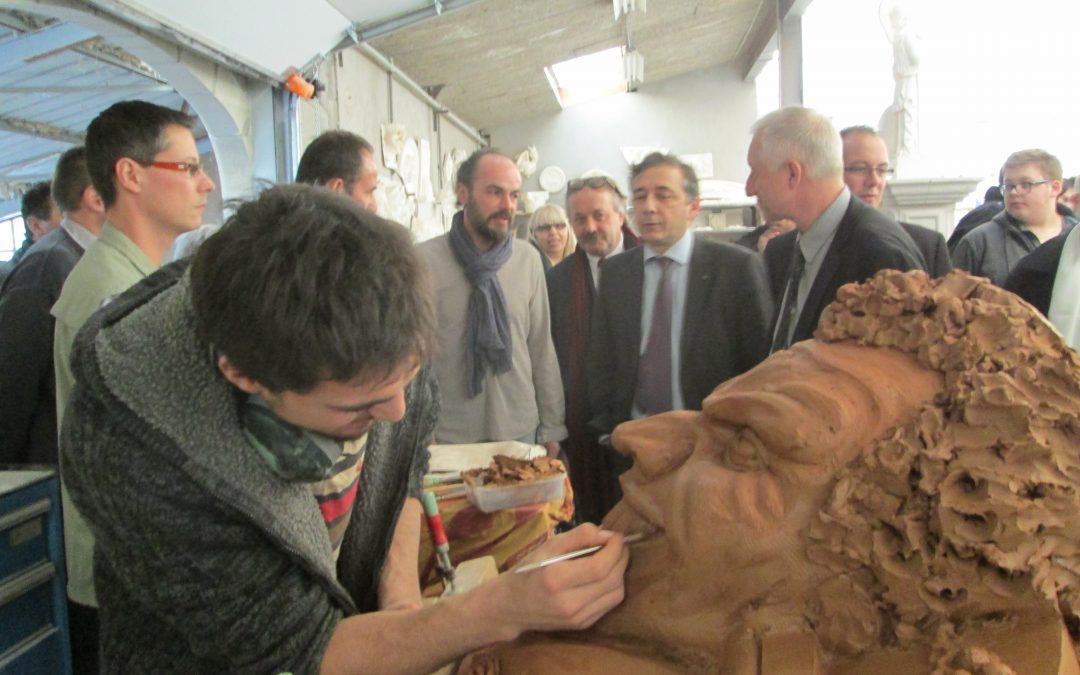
336 494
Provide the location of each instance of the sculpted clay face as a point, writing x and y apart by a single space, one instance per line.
737 484
899 495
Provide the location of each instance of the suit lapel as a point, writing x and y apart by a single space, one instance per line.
635 289
697 291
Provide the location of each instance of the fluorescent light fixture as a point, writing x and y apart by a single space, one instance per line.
591 76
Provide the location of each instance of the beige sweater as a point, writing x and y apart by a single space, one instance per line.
528 397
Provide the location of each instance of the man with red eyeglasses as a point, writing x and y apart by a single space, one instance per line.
144 164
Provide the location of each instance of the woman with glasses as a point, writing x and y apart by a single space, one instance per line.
549 232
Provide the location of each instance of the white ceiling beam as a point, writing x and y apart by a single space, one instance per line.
16 125
29 161
27 47
760 40
96 49
148 87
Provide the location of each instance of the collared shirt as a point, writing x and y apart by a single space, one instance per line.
111 265
814 243
680 253
82 236
594 261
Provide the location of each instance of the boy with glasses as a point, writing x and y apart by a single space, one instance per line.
1031 184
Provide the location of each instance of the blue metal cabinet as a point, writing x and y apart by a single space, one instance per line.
33 606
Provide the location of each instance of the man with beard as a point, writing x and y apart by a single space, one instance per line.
495 360
597 211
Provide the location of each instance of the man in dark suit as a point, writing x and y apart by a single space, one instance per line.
796 172
1035 277
28 432
596 209
866 173
674 317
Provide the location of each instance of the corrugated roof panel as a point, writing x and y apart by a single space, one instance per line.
66 90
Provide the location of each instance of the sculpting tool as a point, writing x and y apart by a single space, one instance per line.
581 552
436 479
438 538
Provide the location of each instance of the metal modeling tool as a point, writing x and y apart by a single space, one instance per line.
438 538
581 552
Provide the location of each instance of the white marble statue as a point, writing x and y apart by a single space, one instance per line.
899 123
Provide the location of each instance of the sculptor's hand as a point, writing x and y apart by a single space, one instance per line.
569 595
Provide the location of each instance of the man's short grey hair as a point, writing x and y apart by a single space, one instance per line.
803 135
857 129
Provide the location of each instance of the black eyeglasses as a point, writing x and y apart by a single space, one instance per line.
882 170
193 168
593 183
1023 187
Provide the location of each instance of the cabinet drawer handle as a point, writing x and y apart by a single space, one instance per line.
26 581
9 520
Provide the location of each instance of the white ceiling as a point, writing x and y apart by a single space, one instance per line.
482 59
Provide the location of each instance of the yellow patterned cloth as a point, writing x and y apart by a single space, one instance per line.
507 535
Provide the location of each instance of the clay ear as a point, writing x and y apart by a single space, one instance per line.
658 444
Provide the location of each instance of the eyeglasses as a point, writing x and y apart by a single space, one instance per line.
593 183
545 228
1023 187
881 170
193 168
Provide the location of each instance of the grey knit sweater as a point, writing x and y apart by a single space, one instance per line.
205 561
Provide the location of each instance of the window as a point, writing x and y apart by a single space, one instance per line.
12 233
588 77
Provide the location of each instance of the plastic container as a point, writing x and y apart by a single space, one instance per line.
498 497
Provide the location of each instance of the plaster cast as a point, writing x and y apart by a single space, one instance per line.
903 489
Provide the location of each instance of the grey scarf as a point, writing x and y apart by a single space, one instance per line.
487 327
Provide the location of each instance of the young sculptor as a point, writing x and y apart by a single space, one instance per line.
208 403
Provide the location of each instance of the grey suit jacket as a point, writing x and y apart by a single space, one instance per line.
725 327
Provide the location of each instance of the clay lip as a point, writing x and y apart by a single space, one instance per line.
645 525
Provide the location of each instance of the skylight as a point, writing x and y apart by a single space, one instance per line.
588 77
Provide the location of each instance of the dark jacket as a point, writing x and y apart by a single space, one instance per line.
206 561
27 380
1033 277
993 249
724 329
972 219
865 242
933 248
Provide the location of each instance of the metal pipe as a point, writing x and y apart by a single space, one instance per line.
394 24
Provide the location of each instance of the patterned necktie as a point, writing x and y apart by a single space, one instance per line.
781 339
653 394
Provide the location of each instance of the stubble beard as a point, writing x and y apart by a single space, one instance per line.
482 225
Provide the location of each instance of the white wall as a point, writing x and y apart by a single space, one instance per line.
361 97
707 111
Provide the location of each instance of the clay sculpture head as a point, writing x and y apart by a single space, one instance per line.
909 476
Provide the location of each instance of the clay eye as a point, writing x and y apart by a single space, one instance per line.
745 452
